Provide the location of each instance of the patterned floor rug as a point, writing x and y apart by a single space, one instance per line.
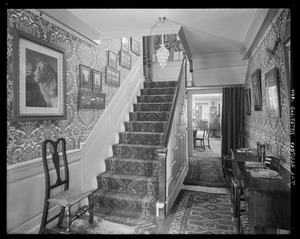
205 172
201 213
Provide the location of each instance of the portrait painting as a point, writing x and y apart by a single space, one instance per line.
39 75
272 92
256 89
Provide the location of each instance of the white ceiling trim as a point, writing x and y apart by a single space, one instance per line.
140 32
67 20
258 27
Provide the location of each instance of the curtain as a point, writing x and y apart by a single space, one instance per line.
232 119
147 58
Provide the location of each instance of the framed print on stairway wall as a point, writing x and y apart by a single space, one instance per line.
125 59
135 46
97 81
85 77
112 76
125 44
112 59
39 79
256 90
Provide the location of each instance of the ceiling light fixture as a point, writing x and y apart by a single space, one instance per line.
162 53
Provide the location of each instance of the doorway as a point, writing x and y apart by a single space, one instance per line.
204 110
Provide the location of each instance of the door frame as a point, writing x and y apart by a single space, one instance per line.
190 93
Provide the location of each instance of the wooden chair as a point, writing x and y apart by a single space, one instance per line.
235 199
261 151
227 166
205 136
272 162
65 199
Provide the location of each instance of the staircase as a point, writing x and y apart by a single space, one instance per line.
128 190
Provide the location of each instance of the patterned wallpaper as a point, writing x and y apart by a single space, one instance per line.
275 132
24 138
170 42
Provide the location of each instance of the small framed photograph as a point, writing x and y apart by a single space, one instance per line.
97 80
39 79
256 89
85 77
273 96
135 46
125 59
125 44
112 76
248 101
112 59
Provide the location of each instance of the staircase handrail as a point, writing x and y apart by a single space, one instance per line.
174 102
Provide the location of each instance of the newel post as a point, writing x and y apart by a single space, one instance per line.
161 155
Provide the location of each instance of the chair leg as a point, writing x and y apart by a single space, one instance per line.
44 218
69 220
208 144
61 216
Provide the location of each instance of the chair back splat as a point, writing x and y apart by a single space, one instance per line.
67 198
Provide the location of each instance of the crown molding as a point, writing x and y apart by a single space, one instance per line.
67 20
257 28
140 32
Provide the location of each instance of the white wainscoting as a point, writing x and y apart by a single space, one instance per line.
26 190
26 181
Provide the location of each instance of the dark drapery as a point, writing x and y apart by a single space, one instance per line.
232 118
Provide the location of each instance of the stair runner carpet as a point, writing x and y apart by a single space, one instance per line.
128 190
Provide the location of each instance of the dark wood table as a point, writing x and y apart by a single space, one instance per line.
268 200
244 156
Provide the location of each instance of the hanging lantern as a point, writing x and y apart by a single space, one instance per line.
162 53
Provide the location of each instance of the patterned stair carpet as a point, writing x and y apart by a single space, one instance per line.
205 171
201 213
128 190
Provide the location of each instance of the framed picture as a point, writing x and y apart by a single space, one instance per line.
112 59
97 81
85 77
286 46
39 79
125 44
125 59
256 89
135 46
248 101
112 76
272 90
91 100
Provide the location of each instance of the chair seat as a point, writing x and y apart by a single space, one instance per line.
69 197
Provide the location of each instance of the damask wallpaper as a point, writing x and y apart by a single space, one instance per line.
24 138
275 132
171 42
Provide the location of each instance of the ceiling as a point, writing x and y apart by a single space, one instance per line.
206 31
